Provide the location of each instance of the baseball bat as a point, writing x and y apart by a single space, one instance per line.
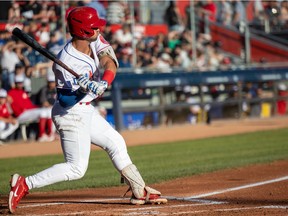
35 45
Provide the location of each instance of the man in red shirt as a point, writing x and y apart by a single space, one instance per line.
8 124
25 111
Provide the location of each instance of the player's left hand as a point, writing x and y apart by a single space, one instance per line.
83 83
98 88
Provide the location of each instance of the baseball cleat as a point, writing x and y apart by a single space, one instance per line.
148 198
18 190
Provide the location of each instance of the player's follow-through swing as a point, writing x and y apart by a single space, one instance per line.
76 119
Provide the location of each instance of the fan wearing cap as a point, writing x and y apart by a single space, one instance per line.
78 122
8 124
25 110
46 97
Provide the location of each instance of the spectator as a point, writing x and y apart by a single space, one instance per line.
252 93
209 8
174 39
125 58
43 34
224 12
194 109
161 41
201 63
20 71
124 36
8 124
98 6
282 103
20 46
164 63
47 14
25 72
9 59
272 11
239 13
14 12
173 18
107 32
31 10
115 12
34 57
181 56
283 18
46 96
5 36
215 58
259 17
146 59
25 111
156 12
54 45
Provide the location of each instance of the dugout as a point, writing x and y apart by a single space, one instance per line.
156 94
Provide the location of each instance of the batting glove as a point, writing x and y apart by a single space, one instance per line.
83 82
98 88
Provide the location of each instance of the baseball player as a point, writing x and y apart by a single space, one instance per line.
77 121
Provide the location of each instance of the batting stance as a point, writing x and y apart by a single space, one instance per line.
77 121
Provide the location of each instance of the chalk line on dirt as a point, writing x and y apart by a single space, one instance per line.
142 209
284 178
227 210
145 211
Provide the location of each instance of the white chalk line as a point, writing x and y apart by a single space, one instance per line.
203 211
238 188
228 210
142 209
191 198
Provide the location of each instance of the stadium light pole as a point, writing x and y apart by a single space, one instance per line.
132 12
63 11
193 31
247 43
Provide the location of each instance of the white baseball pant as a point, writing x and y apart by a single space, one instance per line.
80 126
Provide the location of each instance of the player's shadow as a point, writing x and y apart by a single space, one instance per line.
93 202
77 199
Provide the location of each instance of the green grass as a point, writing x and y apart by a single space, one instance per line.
163 161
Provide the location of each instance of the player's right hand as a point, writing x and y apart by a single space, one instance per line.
87 85
98 88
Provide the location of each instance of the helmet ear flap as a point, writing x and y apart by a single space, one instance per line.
87 33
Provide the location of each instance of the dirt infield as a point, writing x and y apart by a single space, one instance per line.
254 190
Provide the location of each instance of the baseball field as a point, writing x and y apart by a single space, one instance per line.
226 168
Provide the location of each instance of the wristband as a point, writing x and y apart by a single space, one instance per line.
108 76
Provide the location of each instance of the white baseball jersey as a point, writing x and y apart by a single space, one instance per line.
81 64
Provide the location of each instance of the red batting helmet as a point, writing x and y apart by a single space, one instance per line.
82 21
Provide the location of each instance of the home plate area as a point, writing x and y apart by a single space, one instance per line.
176 206
255 190
227 201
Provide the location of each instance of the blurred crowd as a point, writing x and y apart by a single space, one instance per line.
43 20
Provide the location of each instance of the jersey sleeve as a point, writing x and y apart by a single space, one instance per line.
104 48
